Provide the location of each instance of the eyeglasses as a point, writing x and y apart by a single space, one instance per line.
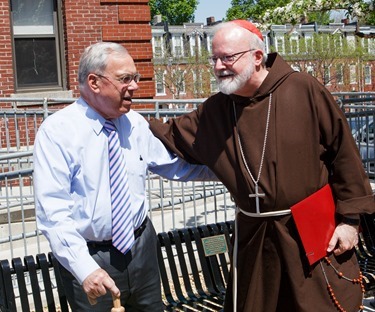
127 79
228 59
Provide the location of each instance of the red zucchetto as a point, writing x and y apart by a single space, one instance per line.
249 26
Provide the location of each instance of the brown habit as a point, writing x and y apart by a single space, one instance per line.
309 144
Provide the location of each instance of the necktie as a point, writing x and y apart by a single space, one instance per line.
122 222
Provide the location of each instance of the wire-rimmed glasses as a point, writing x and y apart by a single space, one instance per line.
228 59
126 79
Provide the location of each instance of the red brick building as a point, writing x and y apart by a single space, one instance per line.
41 42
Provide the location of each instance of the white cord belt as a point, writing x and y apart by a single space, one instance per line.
265 214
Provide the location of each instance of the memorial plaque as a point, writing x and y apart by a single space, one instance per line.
214 245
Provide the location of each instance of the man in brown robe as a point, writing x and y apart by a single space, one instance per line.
274 136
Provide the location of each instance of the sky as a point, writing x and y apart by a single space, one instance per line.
215 8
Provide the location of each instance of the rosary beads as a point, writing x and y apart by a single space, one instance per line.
358 280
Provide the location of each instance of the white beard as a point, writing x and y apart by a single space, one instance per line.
231 84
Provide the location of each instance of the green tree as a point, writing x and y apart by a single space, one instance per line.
255 10
251 9
175 12
369 18
267 12
295 9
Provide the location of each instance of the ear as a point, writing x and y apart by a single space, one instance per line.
258 57
93 83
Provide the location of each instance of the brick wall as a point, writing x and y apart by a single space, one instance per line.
85 22
6 66
126 22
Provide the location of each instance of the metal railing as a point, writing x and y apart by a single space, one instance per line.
172 204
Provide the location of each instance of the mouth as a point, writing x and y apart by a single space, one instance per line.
225 74
127 99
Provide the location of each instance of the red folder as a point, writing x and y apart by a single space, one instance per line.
315 220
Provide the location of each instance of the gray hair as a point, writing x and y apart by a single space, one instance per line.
95 59
254 40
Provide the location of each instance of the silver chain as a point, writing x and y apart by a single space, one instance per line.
264 142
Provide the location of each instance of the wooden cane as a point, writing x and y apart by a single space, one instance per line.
117 305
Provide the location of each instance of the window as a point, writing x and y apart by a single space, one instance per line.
180 81
296 67
213 84
365 45
280 45
308 44
371 45
294 45
367 72
310 70
209 43
325 44
327 75
158 46
193 45
338 42
353 74
339 74
177 46
36 44
160 83
198 83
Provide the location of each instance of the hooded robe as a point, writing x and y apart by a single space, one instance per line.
309 144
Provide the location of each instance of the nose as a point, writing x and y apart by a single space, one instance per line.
219 64
133 86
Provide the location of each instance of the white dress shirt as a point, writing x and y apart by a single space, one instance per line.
71 178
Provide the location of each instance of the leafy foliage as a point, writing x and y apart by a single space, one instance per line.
175 12
250 9
267 12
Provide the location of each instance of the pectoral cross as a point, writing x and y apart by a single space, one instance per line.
257 195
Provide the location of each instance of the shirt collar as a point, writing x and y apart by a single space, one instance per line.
93 118
97 121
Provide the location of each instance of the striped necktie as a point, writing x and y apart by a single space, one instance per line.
122 222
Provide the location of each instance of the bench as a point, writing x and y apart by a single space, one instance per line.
29 280
193 266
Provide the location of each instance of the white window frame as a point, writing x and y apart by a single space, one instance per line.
159 80
367 69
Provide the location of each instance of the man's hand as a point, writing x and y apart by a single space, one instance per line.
96 284
344 238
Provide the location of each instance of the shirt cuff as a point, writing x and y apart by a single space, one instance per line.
82 269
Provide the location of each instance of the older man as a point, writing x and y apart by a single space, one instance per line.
274 136
90 165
